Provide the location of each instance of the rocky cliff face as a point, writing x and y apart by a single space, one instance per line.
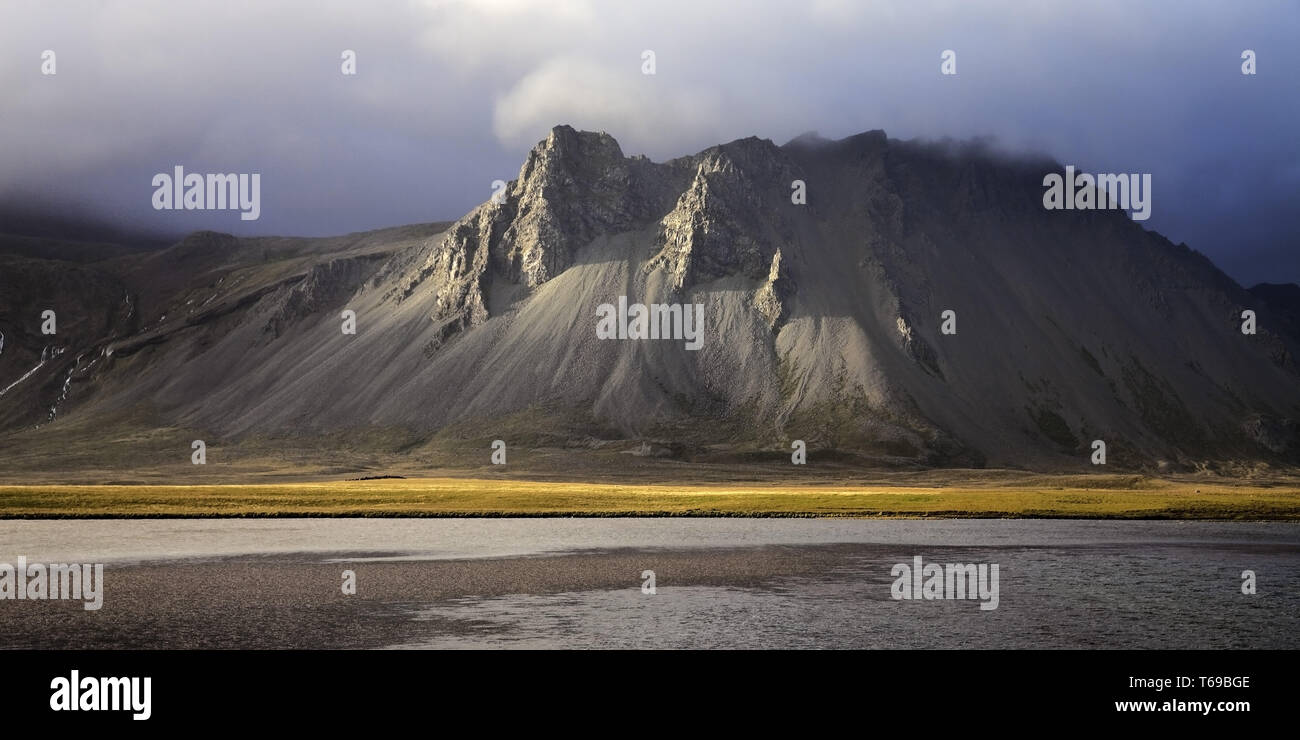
823 318
573 187
731 219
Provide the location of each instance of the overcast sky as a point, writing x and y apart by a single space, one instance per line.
449 96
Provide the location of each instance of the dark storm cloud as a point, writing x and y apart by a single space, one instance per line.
449 97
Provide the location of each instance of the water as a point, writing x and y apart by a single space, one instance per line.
1062 584
1049 598
105 540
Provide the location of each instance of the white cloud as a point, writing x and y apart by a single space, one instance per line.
502 36
640 110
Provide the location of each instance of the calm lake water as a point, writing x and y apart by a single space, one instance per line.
1062 584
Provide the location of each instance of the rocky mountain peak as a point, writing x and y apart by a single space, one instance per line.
733 216
577 185
573 186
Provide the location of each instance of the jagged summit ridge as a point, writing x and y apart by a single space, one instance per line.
575 186
730 219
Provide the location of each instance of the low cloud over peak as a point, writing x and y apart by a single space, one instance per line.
449 95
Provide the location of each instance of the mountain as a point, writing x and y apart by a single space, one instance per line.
822 322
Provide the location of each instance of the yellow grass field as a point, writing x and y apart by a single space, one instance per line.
455 497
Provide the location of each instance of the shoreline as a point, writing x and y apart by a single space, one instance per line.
900 516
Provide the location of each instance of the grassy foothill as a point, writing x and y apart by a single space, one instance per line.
454 497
